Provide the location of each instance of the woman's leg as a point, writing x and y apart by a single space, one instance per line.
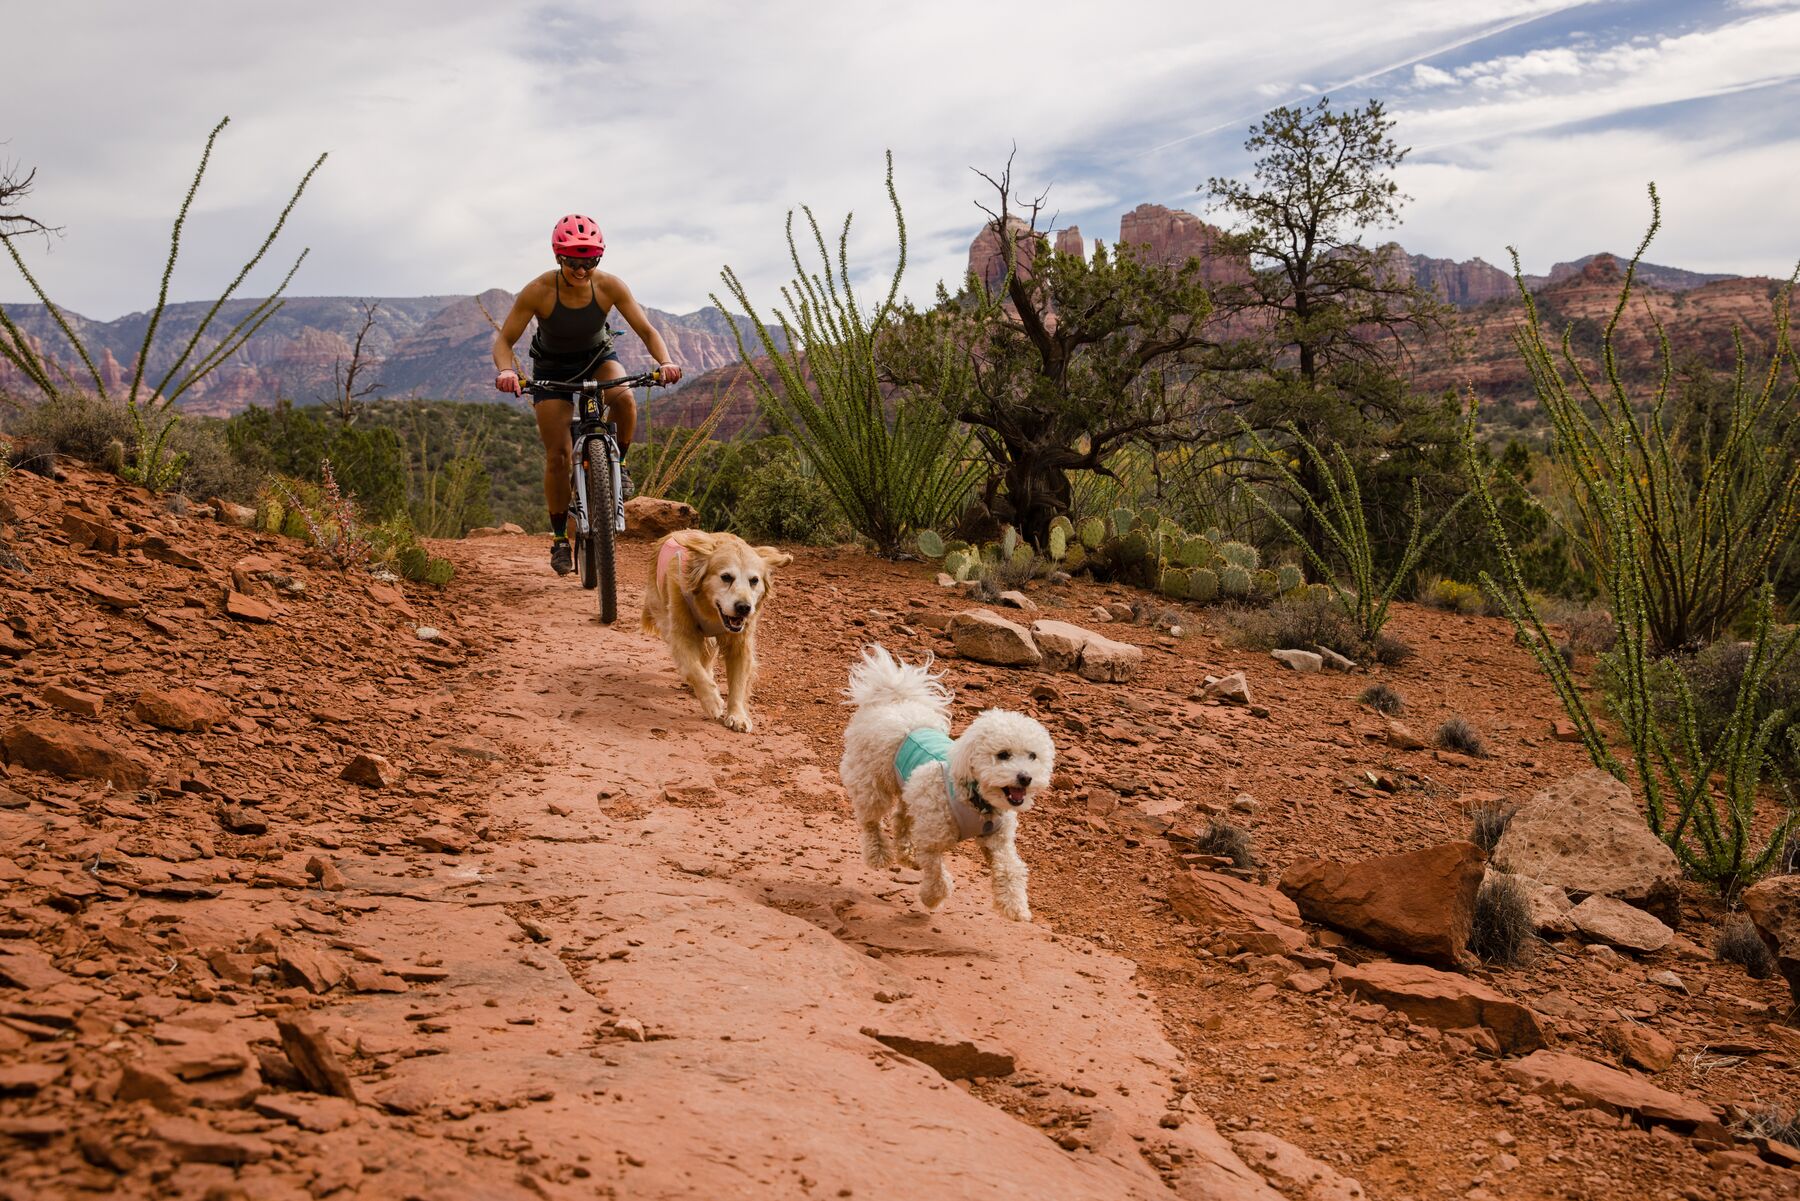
621 405
553 416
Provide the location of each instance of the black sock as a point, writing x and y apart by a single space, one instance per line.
624 449
559 524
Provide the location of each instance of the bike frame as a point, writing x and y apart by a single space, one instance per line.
590 426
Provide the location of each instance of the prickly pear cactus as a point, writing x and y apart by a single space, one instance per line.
1132 548
1123 520
1235 582
1009 542
930 545
960 565
1057 544
1076 559
1203 585
1194 552
1175 583
1021 556
1213 534
1287 578
1093 533
1264 582
1240 554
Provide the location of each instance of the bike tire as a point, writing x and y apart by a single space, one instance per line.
603 508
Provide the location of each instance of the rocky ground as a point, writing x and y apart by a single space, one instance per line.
317 887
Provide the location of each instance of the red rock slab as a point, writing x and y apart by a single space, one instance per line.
371 771
46 744
163 551
29 969
192 1141
952 1058
247 608
73 700
25 1078
1445 1000
1418 904
1255 918
311 1054
1608 1088
182 709
106 594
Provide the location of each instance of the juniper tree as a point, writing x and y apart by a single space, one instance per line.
1060 365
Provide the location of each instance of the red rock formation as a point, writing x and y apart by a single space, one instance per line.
1170 237
988 264
1070 242
1465 284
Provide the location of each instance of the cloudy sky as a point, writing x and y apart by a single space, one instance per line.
458 132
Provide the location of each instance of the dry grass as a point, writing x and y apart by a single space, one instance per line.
1488 821
1227 841
1383 699
1502 931
1459 736
1739 943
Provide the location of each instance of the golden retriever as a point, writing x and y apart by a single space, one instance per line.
704 599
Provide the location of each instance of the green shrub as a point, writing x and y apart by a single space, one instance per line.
1439 593
785 501
1343 520
79 425
1302 620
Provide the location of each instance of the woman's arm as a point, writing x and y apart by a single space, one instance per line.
513 328
627 306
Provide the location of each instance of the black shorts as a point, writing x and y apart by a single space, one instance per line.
574 367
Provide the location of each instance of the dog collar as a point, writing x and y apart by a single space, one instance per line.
674 554
975 818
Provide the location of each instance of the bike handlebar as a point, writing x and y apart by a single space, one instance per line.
551 387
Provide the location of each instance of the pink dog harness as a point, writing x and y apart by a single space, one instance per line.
674 554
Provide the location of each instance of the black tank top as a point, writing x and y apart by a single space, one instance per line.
568 331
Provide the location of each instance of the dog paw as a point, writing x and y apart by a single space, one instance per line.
738 721
1020 914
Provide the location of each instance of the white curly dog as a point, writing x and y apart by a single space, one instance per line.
899 759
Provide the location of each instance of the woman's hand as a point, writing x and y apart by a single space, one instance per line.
669 372
507 381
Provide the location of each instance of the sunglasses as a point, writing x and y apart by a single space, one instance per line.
577 264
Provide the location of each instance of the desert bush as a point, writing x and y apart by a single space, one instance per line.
1716 676
1591 630
785 501
1227 841
1672 551
1390 650
78 425
1488 821
332 521
1304 620
1439 593
1383 699
1739 943
1456 734
1501 931
1781 1125
1343 523
371 463
892 469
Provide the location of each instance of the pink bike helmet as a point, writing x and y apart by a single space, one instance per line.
577 237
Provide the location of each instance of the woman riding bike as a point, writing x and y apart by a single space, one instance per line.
572 342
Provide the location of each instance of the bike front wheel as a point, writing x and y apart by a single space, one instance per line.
602 512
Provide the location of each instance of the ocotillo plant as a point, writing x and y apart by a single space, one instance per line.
893 468
151 413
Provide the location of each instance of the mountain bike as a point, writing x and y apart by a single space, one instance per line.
596 508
